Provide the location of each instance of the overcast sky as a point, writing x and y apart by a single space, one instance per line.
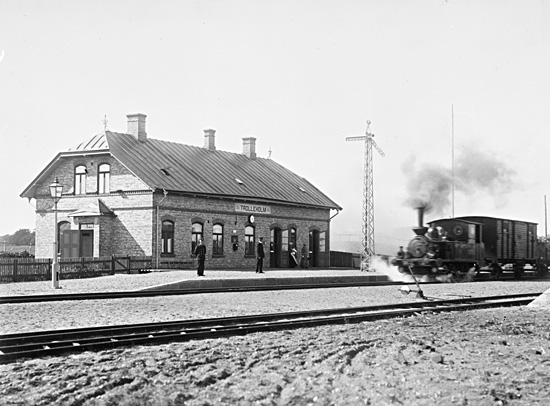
301 76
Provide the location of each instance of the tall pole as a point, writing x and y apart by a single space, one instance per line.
545 219
368 204
55 261
453 160
56 191
159 231
368 198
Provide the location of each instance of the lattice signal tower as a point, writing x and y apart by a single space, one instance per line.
368 197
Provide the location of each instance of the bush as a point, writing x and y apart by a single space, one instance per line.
22 254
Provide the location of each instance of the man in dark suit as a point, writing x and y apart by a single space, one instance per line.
200 252
261 255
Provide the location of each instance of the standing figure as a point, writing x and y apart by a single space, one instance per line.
303 260
200 252
293 259
261 255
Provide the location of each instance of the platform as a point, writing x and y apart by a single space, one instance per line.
270 278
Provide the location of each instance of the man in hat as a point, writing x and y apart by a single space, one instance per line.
200 253
261 255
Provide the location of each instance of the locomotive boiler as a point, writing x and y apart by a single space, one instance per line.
463 247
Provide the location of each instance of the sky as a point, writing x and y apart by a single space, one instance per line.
457 92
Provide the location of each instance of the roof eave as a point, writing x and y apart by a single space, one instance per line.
249 198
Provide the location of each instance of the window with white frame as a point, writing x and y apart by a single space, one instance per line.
217 239
249 239
196 235
80 173
103 178
167 237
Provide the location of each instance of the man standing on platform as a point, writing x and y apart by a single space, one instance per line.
200 252
261 255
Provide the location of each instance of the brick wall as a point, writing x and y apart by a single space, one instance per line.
134 229
184 210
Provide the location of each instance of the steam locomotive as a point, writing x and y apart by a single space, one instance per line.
464 247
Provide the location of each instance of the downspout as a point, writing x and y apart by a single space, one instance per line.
329 239
158 228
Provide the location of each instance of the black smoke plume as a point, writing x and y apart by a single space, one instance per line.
429 185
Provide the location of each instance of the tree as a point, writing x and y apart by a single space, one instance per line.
21 237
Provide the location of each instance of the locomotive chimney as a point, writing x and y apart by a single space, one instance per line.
420 230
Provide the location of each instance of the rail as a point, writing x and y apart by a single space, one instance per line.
55 342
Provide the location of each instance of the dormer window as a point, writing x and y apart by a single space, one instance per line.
103 178
80 173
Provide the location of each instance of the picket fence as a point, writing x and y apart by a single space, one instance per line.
40 269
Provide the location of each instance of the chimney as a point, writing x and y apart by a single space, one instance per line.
420 230
249 147
210 139
136 126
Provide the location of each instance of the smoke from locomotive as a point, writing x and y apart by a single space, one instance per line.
430 185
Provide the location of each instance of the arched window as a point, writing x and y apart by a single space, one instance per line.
167 237
217 239
196 234
103 178
80 180
249 239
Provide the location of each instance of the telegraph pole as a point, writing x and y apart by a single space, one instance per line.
545 219
368 197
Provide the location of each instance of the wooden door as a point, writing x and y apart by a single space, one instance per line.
70 243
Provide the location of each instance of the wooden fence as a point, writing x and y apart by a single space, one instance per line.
40 269
340 259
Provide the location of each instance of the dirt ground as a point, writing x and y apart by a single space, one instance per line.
485 357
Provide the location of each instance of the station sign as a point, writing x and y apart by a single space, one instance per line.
252 208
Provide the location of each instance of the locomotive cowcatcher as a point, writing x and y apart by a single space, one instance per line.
462 247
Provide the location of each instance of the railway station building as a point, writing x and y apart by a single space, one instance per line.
128 194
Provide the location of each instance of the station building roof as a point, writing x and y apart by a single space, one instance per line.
171 166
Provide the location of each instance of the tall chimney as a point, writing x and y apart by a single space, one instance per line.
249 147
420 230
210 139
136 126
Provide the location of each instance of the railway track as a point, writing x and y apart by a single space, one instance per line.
56 342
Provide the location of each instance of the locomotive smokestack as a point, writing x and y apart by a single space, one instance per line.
420 230
420 216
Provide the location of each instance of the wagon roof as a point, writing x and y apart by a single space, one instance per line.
468 219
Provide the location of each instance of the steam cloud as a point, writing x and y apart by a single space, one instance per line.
430 185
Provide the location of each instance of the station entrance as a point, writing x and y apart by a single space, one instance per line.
314 248
275 248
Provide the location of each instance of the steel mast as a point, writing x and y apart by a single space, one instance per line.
368 197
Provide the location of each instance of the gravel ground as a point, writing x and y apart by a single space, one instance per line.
487 357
